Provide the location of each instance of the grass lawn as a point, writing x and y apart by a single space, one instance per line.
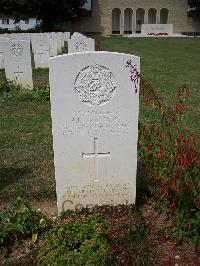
26 164
167 63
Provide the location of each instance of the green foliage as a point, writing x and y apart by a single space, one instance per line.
20 220
171 163
76 242
42 93
7 86
42 10
194 10
12 91
126 235
104 235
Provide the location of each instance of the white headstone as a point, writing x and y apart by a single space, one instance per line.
53 46
77 35
20 36
78 45
95 108
67 36
17 62
41 52
2 49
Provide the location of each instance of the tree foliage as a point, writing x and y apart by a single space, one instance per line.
48 11
194 8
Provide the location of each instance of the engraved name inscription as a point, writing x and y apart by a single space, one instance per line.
94 85
95 123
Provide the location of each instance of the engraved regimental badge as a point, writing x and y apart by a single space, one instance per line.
94 85
16 49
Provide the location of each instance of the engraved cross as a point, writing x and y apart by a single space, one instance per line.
40 53
18 73
96 155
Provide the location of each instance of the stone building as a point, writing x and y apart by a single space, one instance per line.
8 22
126 16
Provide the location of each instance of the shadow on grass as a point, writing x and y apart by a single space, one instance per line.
142 186
12 175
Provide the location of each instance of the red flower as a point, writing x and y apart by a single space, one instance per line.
181 159
154 176
169 180
161 188
190 185
191 157
181 138
197 203
150 147
147 100
166 193
190 226
173 204
179 107
161 155
174 185
161 136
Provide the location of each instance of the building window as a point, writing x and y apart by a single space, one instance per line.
27 21
5 21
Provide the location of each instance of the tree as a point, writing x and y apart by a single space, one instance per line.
48 11
194 8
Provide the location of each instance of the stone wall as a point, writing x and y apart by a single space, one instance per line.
129 17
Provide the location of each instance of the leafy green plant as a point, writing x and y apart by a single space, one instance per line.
12 91
42 93
8 86
75 242
107 235
171 162
20 220
126 235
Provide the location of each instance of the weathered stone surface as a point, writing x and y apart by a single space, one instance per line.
95 107
17 62
157 28
41 51
2 51
81 44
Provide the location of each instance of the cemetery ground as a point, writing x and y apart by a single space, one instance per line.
26 165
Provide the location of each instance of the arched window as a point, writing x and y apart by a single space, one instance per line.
128 14
164 16
139 19
116 21
152 16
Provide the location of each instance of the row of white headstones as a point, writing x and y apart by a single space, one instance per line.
15 52
94 109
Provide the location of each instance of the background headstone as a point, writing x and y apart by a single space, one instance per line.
53 45
41 51
17 62
77 35
67 36
2 51
95 108
81 44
